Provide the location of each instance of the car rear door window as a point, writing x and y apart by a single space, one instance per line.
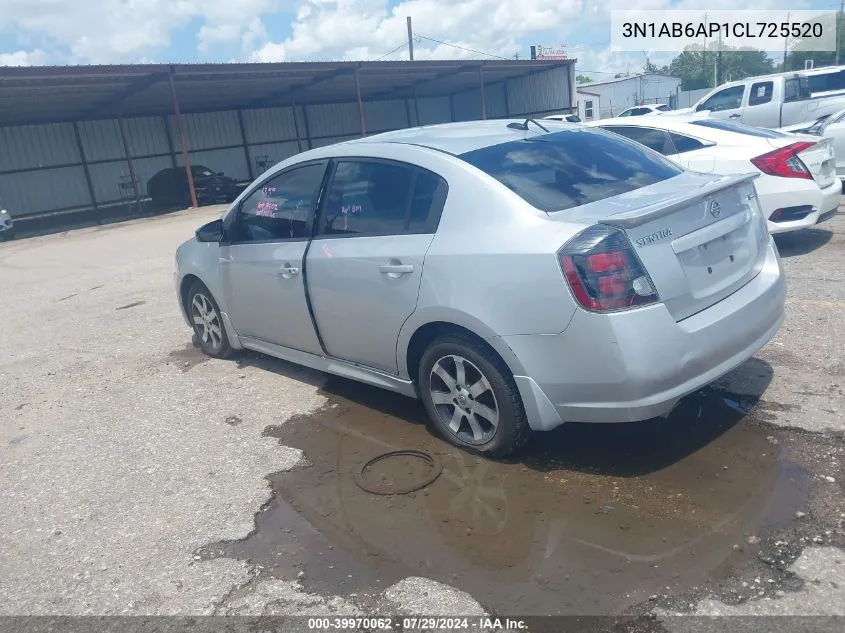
796 89
376 197
282 207
685 143
562 170
654 139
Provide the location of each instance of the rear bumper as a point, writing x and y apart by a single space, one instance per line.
638 364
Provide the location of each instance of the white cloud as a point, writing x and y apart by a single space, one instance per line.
114 31
24 58
367 29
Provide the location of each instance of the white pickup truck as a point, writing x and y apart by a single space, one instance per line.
770 101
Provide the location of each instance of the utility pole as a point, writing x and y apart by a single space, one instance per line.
704 51
838 20
410 39
717 71
785 46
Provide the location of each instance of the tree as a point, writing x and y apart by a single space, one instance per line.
582 79
797 57
695 66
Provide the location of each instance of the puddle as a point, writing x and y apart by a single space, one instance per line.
188 357
590 519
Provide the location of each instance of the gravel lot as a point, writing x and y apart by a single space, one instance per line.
117 464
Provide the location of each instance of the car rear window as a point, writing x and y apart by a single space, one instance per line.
664 108
739 128
562 170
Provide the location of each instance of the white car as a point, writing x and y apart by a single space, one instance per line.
7 226
646 110
830 127
569 118
797 184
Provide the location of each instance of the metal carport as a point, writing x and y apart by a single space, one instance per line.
70 134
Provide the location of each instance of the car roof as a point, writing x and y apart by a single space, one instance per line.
680 123
466 136
673 122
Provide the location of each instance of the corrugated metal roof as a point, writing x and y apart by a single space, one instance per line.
68 93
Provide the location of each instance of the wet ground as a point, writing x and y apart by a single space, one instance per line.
140 477
590 519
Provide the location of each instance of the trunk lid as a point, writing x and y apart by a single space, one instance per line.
699 237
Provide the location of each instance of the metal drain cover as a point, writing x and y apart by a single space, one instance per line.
398 472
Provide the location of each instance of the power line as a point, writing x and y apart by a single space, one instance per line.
401 46
463 48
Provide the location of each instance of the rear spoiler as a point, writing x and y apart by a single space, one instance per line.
630 219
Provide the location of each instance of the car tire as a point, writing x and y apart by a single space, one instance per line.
464 385
207 320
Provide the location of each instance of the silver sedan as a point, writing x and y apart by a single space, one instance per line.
512 277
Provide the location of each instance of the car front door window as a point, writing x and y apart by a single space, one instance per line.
727 99
282 207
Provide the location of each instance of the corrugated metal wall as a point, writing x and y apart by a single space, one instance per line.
41 166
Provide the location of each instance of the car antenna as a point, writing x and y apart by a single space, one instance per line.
514 125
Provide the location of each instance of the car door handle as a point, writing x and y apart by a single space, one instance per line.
287 271
394 270
734 116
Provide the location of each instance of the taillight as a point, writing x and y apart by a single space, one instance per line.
784 161
603 271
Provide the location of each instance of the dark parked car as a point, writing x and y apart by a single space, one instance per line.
170 186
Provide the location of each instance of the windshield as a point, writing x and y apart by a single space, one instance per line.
738 128
561 170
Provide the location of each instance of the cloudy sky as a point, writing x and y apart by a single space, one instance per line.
35 32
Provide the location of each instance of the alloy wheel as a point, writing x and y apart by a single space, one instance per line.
464 399
206 321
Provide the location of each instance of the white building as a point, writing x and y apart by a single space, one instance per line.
604 99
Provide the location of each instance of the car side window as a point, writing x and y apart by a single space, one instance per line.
684 143
370 197
761 93
282 207
626 113
427 202
727 99
657 140
796 89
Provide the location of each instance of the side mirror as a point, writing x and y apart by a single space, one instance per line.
211 232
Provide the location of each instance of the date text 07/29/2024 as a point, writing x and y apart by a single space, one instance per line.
417 623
